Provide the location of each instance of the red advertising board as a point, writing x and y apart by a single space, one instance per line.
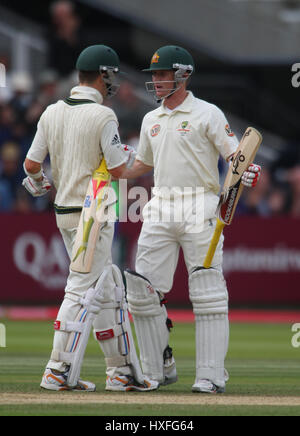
34 264
261 261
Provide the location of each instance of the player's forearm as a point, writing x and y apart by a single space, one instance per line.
138 169
32 167
36 182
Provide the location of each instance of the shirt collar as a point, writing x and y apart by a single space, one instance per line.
185 106
86 92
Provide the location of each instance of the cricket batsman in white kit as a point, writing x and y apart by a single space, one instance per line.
182 140
78 133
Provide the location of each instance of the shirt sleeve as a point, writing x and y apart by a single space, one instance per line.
112 148
145 153
39 149
220 134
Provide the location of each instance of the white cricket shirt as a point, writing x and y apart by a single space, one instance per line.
184 145
77 133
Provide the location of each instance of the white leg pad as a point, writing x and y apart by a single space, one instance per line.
150 320
79 330
112 330
111 334
209 296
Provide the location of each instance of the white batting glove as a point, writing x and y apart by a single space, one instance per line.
131 155
35 188
251 177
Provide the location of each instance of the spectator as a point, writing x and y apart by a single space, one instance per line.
32 116
48 91
22 87
7 121
131 111
254 201
278 201
23 203
11 175
66 38
6 199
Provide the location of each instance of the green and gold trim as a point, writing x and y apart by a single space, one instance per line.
76 101
60 210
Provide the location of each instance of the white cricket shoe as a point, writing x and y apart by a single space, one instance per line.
128 383
58 382
207 387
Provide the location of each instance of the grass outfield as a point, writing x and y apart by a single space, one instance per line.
263 365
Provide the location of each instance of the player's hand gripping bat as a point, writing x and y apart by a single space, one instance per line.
233 187
92 217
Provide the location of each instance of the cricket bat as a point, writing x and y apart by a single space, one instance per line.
92 217
233 188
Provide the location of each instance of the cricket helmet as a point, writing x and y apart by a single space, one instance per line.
96 56
103 59
171 57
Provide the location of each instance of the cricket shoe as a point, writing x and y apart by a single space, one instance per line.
54 381
170 372
123 383
207 387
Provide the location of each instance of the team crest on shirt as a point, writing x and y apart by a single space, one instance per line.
155 130
229 131
184 128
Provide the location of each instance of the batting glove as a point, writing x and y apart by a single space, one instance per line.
251 177
37 188
131 152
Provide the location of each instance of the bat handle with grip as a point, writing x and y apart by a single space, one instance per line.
214 243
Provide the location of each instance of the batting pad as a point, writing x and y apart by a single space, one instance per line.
208 293
112 330
111 334
79 330
150 320
212 336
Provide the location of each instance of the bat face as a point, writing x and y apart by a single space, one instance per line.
92 216
233 187
228 203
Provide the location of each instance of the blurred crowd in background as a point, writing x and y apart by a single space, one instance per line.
25 98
